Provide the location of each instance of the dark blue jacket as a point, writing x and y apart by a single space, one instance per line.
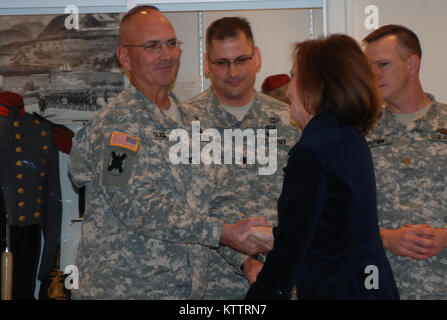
327 234
29 180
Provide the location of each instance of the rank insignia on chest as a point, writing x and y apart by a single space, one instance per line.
273 120
123 140
282 142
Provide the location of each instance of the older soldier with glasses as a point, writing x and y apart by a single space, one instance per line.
145 234
231 62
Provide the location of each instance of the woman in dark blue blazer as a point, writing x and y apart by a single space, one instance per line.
327 242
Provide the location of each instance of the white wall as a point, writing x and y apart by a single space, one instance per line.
339 16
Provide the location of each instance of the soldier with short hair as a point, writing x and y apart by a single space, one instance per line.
409 148
231 62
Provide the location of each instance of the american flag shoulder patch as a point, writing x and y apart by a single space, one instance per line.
123 140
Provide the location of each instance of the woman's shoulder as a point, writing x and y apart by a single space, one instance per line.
330 142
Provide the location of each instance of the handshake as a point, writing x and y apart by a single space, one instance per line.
250 236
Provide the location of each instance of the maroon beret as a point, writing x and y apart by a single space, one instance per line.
11 99
276 81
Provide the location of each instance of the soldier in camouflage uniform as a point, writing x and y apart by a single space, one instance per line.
146 232
232 61
409 149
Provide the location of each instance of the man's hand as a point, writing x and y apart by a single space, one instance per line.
437 235
252 267
261 233
419 242
234 236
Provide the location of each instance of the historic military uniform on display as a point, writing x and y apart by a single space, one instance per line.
411 176
31 190
243 191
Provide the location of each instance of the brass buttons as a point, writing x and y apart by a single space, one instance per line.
21 204
19 149
45 147
406 161
18 163
43 133
36 215
16 124
19 176
20 190
36 121
22 218
42 174
40 188
39 201
18 136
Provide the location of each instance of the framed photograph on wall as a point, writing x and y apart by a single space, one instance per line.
67 71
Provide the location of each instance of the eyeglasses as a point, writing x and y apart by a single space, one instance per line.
241 61
154 46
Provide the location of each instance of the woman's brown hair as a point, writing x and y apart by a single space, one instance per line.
334 73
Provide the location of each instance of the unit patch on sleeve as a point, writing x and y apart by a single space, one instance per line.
119 159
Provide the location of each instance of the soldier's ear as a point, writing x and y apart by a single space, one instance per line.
123 57
413 64
206 64
258 59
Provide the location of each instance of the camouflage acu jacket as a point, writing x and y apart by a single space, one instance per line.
140 238
411 176
243 191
